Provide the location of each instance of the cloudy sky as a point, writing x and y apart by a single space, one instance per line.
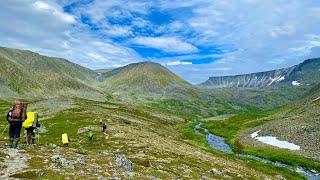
194 38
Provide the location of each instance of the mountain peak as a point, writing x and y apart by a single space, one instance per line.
145 78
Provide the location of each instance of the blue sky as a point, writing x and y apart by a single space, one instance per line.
196 38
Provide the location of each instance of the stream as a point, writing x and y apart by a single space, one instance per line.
218 143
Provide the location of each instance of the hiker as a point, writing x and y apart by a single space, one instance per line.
65 139
90 136
30 125
15 117
104 127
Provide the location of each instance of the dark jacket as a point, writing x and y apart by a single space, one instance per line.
9 115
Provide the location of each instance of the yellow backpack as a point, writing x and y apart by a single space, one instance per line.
65 139
32 118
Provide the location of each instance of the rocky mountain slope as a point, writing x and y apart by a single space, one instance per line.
267 89
306 73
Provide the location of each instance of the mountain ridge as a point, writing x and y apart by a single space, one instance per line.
263 79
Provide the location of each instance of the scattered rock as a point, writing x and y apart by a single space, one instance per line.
83 130
15 161
125 121
80 160
86 129
279 177
123 162
59 161
52 145
215 171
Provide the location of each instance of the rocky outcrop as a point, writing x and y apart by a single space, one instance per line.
260 79
303 74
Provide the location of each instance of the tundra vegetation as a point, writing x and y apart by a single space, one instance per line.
151 115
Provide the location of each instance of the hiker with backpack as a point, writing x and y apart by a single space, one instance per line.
15 117
30 125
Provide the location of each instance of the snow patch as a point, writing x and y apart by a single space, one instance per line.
281 79
276 79
296 83
255 134
273 141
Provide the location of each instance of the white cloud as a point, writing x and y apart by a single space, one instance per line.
167 44
221 69
283 30
43 27
56 11
250 35
176 63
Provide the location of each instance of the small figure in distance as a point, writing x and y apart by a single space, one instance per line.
104 127
90 136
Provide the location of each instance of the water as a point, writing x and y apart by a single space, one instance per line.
218 143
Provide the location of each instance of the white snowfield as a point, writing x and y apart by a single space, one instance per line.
273 141
296 83
276 79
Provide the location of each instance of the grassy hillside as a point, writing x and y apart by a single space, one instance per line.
263 98
147 79
297 123
158 88
157 145
29 74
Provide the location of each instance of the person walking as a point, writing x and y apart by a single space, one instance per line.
90 136
104 127
30 125
15 117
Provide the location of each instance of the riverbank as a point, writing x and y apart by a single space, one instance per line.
218 143
233 129
200 140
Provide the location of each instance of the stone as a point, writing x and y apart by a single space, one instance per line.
215 171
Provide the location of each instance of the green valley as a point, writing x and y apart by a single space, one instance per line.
152 117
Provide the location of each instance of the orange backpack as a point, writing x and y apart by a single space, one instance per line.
18 112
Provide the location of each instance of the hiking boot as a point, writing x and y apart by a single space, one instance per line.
16 141
11 143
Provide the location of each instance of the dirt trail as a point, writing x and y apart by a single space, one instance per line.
14 162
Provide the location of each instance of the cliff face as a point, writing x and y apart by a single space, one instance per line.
304 73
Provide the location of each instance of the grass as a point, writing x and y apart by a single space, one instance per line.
231 128
191 109
189 133
161 159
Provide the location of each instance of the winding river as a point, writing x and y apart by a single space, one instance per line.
218 143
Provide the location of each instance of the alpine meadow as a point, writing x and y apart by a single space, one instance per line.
155 89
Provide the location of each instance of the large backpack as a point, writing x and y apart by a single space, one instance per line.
31 121
64 138
18 112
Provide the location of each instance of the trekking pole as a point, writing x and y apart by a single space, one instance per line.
38 136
